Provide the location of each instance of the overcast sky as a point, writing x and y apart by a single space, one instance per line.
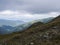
29 9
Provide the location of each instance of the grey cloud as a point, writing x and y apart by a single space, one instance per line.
31 6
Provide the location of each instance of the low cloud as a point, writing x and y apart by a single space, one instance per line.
24 16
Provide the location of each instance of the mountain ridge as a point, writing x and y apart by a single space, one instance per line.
10 22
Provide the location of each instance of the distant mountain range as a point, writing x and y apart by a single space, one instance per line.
6 29
10 22
9 26
46 20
